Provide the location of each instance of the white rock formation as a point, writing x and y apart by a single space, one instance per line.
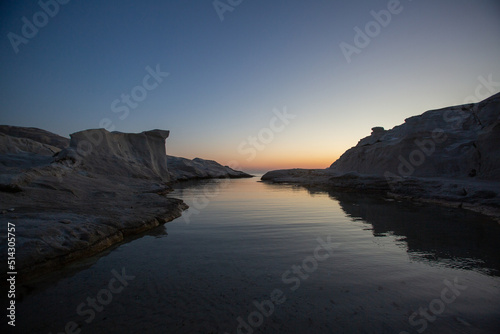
91 195
79 197
449 156
182 169
35 134
451 142
137 155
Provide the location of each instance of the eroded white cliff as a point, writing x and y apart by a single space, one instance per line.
458 142
137 155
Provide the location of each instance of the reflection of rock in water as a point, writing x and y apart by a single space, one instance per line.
209 187
452 237
45 281
158 232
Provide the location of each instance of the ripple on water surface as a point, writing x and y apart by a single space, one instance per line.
247 239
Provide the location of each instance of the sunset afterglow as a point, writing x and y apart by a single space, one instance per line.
215 80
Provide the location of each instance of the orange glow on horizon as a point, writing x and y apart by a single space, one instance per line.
266 160
274 164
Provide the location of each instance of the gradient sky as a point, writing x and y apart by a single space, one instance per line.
227 78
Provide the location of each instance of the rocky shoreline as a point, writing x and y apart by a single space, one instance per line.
73 199
448 156
481 197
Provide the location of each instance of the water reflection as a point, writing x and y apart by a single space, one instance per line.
247 234
450 237
433 234
50 279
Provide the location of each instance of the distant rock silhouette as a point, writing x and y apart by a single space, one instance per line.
182 169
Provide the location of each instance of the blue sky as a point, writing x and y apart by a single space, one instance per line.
229 79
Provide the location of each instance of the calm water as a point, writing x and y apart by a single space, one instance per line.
250 257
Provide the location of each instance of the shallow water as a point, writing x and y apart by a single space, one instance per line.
247 257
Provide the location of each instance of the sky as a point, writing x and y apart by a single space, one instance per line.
257 84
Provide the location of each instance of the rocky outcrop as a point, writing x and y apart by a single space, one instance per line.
15 145
73 198
182 169
90 195
35 134
18 153
137 155
450 142
28 147
448 156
